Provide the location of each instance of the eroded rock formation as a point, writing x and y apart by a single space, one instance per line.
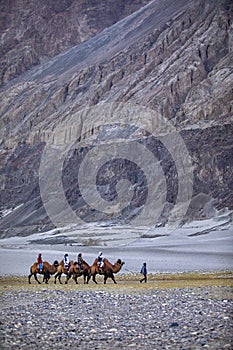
173 57
33 32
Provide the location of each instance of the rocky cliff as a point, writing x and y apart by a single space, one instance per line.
173 58
33 32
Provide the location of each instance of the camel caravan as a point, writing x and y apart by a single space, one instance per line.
75 269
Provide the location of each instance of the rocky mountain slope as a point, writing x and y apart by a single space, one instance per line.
32 32
174 58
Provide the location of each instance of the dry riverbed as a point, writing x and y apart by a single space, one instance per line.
171 311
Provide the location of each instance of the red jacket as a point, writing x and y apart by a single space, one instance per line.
39 259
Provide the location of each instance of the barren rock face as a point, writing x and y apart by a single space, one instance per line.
33 32
174 58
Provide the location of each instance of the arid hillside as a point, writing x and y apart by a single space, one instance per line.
170 57
32 32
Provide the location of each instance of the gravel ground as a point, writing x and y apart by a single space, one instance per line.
188 318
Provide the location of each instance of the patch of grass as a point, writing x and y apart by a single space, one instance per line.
126 283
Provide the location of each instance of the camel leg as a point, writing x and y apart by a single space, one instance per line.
46 277
85 278
75 277
88 279
35 276
113 278
94 280
59 278
29 278
55 277
67 279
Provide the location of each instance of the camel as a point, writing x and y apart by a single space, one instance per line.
108 270
62 269
73 271
46 271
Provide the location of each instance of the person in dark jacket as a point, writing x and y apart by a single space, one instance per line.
80 262
144 273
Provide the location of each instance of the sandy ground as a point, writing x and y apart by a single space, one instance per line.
200 246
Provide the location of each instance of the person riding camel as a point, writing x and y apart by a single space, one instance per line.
100 260
80 262
66 262
40 262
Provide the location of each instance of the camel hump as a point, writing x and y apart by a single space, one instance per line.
34 266
106 261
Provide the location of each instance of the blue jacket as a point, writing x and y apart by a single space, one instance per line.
144 270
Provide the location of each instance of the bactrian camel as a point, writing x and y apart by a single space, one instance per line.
46 271
74 271
107 270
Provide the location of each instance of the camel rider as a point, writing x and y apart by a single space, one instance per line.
40 262
80 262
66 262
100 260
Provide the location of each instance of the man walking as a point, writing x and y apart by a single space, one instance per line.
144 273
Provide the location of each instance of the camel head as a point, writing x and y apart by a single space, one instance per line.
56 263
120 262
